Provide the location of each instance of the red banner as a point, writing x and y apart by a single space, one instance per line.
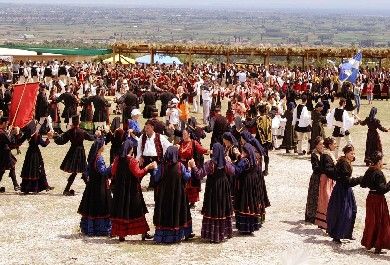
23 102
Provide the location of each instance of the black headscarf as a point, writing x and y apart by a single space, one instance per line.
171 155
126 147
115 124
218 156
229 136
291 106
97 144
251 152
192 122
373 112
249 138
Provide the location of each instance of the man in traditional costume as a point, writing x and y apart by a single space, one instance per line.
150 102
8 141
302 121
75 160
130 101
342 122
101 105
42 109
151 147
264 134
70 101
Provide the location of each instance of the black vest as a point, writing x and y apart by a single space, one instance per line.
338 114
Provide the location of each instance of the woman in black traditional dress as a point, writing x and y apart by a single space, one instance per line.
247 207
342 207
172 215
33 172
373 142
289 142
75 160
197 133
317 127
327 164
86 115
54 110
377 225
237 128
231 150
246 137
128 205
314 184
116 136
217 208
191 149
96 201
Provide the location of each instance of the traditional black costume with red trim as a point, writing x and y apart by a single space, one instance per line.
33 172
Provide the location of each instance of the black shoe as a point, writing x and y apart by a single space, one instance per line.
16 188
68 193
337 241
49 188
265 173
2 189
121 239
379 251
190 236
351 238
288 151
146 236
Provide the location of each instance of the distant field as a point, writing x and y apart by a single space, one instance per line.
104 25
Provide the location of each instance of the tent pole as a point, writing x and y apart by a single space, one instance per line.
151 56
190 61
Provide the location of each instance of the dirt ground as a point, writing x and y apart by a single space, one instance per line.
44 228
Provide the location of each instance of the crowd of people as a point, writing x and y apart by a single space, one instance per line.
268 108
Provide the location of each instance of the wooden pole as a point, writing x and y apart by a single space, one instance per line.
190 61
227 58
303 62
288 60
151 57
380 63
266 60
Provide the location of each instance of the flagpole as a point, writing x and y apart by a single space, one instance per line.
20 101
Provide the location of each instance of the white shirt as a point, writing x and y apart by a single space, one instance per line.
346 124
197 86
305 118
206 95
150 148
241 77
55 69
173 116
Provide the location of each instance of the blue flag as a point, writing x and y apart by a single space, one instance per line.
349 71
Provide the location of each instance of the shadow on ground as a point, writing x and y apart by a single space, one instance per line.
312 234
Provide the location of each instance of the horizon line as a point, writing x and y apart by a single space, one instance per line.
202 7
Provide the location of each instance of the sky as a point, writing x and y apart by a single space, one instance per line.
241 4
